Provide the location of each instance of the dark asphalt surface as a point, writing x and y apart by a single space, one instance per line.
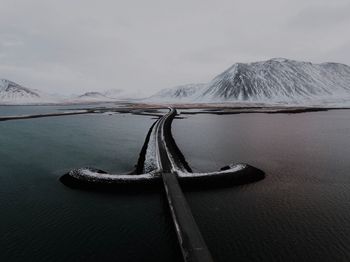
190 238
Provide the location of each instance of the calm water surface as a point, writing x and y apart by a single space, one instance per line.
34 110
300 212
42 220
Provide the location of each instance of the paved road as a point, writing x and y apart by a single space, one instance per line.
190 238
169 166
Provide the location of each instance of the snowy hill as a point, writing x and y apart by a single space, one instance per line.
107 96
277 80
182 93
93 97
15 94
12 93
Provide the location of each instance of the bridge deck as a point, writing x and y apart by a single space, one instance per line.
190 238
191 241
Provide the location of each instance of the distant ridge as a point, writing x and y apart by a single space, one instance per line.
12 93
179 93
277 80
96 95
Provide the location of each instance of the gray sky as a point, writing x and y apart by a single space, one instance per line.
72 46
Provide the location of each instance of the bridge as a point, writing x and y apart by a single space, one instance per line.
162 161
192 244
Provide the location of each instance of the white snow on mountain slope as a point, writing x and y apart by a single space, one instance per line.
11 91
12 94
184 93
275 81
111 95
92 97
15 94
280 80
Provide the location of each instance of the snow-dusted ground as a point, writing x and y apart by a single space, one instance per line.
152 164
92 175
151 158
233 168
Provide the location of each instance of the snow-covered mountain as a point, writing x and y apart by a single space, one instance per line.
274 81
15 94
277 80
181 93
106 96
93 97
12 92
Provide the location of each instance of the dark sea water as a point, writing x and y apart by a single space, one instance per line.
35 110
300 212
43 220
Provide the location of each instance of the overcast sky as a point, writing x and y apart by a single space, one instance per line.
72 46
